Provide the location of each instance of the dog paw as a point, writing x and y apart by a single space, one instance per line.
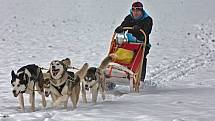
21 110
33 110
94 102
65 105
74 107
85 101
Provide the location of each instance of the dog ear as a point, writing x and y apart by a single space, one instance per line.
66 62
13 74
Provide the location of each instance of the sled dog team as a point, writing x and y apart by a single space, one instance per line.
59 83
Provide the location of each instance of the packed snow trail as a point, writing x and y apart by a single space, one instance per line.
165 73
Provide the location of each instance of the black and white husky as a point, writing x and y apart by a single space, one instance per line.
24 81
94 80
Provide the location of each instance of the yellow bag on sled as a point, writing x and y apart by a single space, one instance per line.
124 56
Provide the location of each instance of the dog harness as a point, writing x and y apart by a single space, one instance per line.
59 88
71 80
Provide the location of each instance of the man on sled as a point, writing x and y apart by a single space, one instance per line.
138 19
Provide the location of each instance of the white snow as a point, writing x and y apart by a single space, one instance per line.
180 82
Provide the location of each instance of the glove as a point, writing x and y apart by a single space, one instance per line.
119 29
136 28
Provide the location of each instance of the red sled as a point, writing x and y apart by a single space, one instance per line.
131 71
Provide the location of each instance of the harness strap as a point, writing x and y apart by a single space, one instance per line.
72 80
70 67
59 88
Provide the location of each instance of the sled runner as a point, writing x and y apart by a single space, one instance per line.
129 60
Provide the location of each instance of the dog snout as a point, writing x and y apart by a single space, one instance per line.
86 87
47 94
53 67
14 93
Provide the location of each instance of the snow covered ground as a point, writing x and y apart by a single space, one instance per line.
181 65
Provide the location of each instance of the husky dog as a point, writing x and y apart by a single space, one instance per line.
94 80
62 84
24 81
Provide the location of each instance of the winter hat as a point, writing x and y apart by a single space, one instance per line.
137 5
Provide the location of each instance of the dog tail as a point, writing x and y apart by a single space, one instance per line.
107 60
82 72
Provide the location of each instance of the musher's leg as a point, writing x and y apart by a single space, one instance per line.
144 64
144 69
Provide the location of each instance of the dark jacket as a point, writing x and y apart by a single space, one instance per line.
145 23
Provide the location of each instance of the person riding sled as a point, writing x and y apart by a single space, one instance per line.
138 19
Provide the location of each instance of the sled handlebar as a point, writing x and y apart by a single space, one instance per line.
141 30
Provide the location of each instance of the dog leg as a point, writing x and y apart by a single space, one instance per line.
41 92
74 99
84 96
78 89
66 102
43 100
30 99
103 94
94 95
103 89
21 102
54 98
32 96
